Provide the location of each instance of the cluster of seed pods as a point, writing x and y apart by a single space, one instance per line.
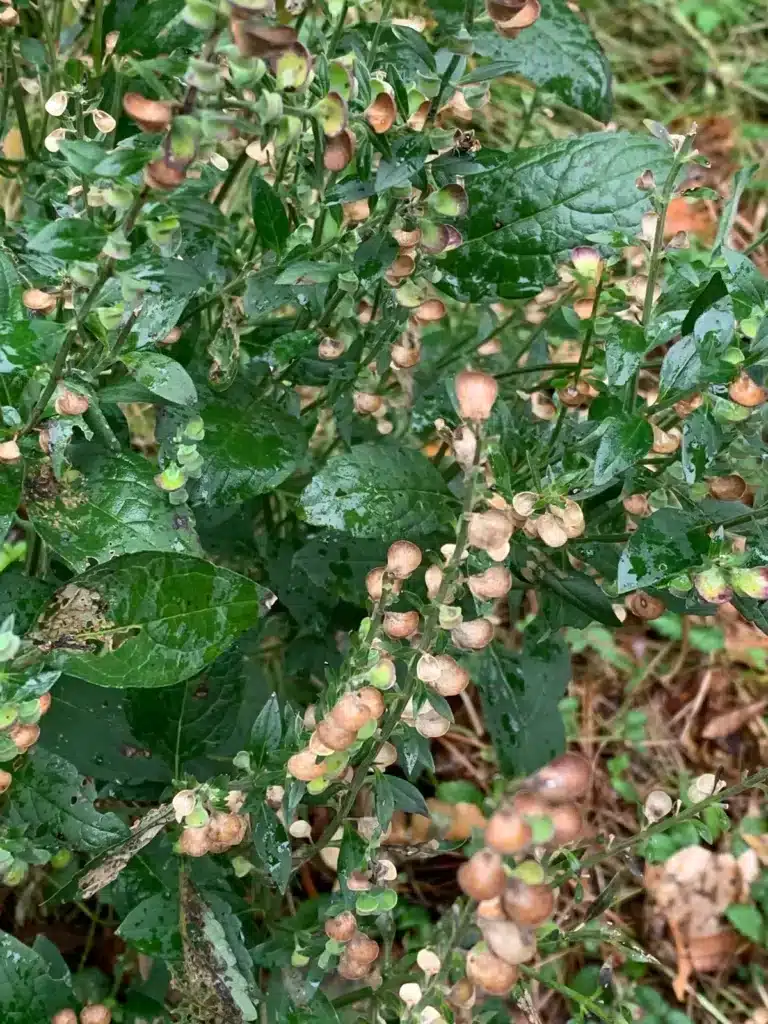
95 1013
358 953
206 828
514 900
19 730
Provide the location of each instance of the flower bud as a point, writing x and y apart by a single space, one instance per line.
744 391
751 582
475 392
403 559
5 781
492 584
482 877
587 262
350 713
473 635
565 778
37 301
488 972
24 736
644 606
70 403
507 832
362 949
527 905
400 625
489 530
428 961
9 451
712 586
304 766
342 927
97 1013
64 1017
335 736
508 941
372 699
410 993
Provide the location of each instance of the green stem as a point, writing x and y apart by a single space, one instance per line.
447 75
17 94
229 181
56 370
96 419
469 15
583 1001
97 38
338 29
381 24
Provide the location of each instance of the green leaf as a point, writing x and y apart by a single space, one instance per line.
308 273
753 611
583 594
266 733
163 376
82 155
665 544
702 439
272 845
532 206
405 796
624 442
25 344
10 496
11 307
379 491
23 596
558 53
747 920
247 451
28 993
69 239
408 157
374 256
520 695
51 797
152 927
149 619
129 157
113 508
269 216
624 350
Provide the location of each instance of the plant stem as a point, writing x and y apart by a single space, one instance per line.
447 75
229 181
381 24
584 1001
98 35
12 85
338 29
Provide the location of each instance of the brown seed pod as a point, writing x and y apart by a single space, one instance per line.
570 516
430 312
352 970
171 337
475 392
350 713
194 842
304 766
342 927
451 678
403 559
161 175
462 995
373 700
381 114
366 404
433 578
568 823
508 941
339 150
565 778
491 910
482 877
488 972
489 530
550 530
727 488
400 625
5 781
665 442
334 736
38 301
9 451
508 832
261 39
686 406
97 1013
362 949
64 1017
709 953
492 584
226 830
637 505
473 635
744 391
149 115
431 723
406 352
386 756
644 606
528 905
70 403
24 736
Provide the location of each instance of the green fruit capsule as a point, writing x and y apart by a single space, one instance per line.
712 585
751 582
317 786
367 730
8 715
15 874
61 859
530 872
30 712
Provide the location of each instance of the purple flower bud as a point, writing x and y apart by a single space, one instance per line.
712 586
751 582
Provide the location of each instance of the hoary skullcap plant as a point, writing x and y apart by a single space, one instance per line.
310 392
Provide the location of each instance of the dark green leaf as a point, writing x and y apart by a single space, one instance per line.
247 451
713 291
408 156
379 491
113 508
582 593
51 797
149 619
11 307
272 845
69 239
163 376
23 596
269 216
624 350
152 927
702 439
307 272
28 993
532 206
10 496
266 733
753 611
558 53
384 800
82 155
374 256
665 544
129 157
405 796
624 442
151 28
520 694
747 920
25 344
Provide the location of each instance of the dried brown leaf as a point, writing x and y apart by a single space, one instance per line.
731 721
142 833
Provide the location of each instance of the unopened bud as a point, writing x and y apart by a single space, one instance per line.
428 961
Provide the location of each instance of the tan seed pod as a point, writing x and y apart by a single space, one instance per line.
226 830
403 559
551 530
6 780
541 406
362 949
350 712
194 842
339 150
334 736
372 699
407 239
528 905
491 910
171 337
386 756
161 175
507 832
64 1017
433 578
524 503
644 606
462 995
331 348
403 266
666 442
9 451
400 625
38 301
565 778
566 819
637 505
508 941
9 17
352 970
149 115
464 446
374 583
570 516
428 668
357 211
317 747
70 403
727 488
358 882
492 584
475 393
342 927
406 353
304 766
24 736
431 723
366 404
452 680
96 1014
489 530
430 312
744 391
490 973
482 877
686 406
473 635
381 114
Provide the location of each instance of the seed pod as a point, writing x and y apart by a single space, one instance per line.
568 824
751 582
433 578
489 530
366 404
334 736
453 678
462 995
657 805
551 530
24 736
406 352
358 882
507 832
712 585
351 713
38 301
473 635
381 114
183 803
5 781
9 451
482 877
162 175
386 756
331 348
339 150
70 403
488 972
491 910
475 392
383 675
259 38
644 606
342 927
727 488
428 668
149 115
524 503
637 505
44 702
97 1013
372 699
352 970
374 583
357 211
400 625
9 17
226 830
410 993
565 778
362 949
494 583
665 442
464 445
508 941
430 723
429 312
316 745
64 1017
403 559
744 391
528 905
194 842
570 516
304 766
